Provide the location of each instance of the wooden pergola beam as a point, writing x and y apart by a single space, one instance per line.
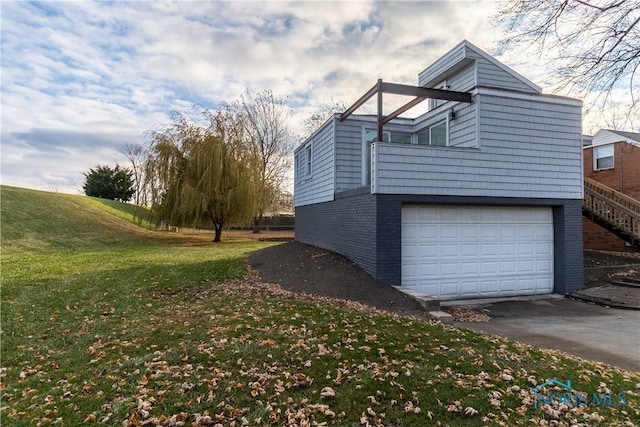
420 94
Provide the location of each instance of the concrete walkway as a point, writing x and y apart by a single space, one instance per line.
592 332
620 292
611 295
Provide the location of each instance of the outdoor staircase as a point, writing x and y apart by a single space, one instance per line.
613 210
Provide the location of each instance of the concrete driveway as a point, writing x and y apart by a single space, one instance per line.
586 330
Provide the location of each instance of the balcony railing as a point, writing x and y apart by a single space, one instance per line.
615 211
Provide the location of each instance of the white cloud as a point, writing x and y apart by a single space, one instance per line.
80 77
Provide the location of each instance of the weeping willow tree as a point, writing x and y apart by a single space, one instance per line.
199 171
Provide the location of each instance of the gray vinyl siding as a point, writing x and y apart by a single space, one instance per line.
528 148
349 154
462 129
349 145
319 186
491 75
464 80
465 67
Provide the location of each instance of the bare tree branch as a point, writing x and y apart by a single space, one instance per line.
264 121
594 45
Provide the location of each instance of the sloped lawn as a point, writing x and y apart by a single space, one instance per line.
128 328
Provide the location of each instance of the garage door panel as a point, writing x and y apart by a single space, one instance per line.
526 249
469 251
427 216
469 287
508 249
429 269
469 232
508 231
449 288
449 269
410 251
449 233
488 267
508 267
526 233
544 248
488 249
489 286
464 252
526 266
507 285
427 231
428 251
450 251
543 283
544 266
489 232
469 268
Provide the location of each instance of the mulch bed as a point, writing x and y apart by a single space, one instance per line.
303 268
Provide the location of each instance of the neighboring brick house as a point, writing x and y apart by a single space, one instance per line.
481 196
613 159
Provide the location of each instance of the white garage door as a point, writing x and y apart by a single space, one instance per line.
453 252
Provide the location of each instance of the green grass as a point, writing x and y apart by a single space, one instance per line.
103 321
134 214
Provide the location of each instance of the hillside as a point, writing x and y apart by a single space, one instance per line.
34 219
105 322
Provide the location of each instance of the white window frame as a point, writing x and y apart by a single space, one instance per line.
309 160
597 157
296 169
435 103
445 120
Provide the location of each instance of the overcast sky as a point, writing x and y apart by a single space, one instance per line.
80 78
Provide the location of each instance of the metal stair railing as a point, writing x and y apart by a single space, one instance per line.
617 210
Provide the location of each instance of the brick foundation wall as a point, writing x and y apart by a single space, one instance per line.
346 226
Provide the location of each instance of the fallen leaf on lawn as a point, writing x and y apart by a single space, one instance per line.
327 392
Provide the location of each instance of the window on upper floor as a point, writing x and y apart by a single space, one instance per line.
302 166
308 164
395 137
435 103
436 134
297 172
603 157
